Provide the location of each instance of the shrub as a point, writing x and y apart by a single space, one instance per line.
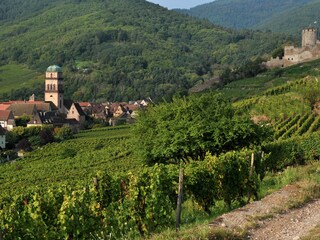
63 133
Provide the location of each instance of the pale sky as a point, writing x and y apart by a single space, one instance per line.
180 3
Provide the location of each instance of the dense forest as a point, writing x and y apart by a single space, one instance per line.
279 16
120 49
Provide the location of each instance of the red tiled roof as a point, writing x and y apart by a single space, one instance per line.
21 101
4 115
84 104
114 107
4 106
132 107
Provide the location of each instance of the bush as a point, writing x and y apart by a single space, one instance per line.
231 171
201 183
64 133
25 145
68 153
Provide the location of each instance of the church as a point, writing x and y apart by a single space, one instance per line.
54 110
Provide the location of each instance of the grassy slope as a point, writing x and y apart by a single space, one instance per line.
70 162
285 97
15 75
251 87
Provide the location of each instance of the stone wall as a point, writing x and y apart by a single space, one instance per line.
274 63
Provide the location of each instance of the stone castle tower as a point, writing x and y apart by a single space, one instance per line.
54 87
309 50
309 37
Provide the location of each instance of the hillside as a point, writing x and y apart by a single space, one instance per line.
303 17
13 75
121 50
280 16
256 86
96 185
70 162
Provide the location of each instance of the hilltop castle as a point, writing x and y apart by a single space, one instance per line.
310 50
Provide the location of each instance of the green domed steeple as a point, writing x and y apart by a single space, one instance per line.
54 68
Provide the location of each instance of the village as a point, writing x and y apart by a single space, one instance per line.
56 111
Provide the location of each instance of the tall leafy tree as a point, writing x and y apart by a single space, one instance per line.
188 128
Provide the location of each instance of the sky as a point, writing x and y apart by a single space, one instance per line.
180 3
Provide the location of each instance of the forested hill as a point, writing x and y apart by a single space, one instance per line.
121 49
288 16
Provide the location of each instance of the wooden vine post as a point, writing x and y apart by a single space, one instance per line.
250 175
95 182
180 198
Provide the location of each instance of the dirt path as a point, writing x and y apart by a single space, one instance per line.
289 226
271 218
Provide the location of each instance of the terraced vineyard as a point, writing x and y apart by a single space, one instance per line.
297 125
70 162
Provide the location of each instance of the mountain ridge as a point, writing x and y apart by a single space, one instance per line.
123 50
262 15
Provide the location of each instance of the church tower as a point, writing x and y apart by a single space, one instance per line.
54 87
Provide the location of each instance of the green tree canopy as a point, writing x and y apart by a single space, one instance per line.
190 127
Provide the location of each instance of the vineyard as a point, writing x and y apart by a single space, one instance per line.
129 206
70 161
298 125
94 187
110 206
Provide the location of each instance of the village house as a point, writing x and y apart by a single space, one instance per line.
124 112
131 108
43 118
2 138
53 119
86 106
95 110
118 109
99 111
76 112
143 102
7 119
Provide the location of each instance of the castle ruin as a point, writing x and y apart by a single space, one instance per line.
310 50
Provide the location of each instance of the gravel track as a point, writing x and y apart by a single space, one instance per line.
270 217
